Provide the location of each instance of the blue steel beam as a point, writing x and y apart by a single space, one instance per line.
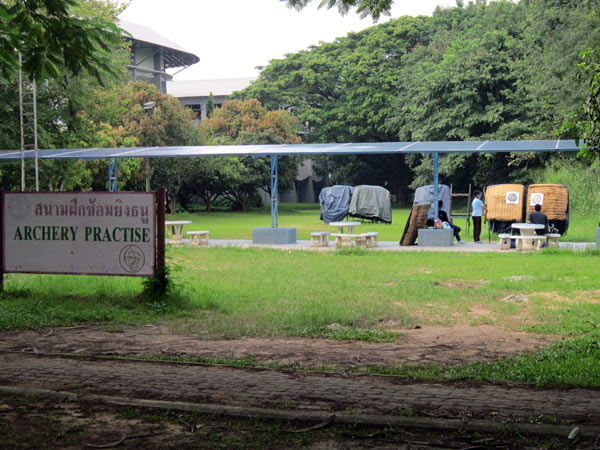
274 194
302 149
112 175
435 185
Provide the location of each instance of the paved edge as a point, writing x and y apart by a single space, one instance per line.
314 416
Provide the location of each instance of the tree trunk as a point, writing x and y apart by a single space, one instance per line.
173 204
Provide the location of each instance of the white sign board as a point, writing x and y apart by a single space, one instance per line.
96 233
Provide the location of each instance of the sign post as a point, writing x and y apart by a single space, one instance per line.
1 241
161 199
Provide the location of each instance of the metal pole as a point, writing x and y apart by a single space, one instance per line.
112 175
1 241
161 199
35 137
21 125
147 170
274 195
435 185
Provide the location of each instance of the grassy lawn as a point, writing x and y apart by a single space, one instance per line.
372 296
232 292
305 218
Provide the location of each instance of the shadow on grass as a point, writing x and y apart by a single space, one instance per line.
63 301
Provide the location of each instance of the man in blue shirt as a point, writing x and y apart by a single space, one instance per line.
539 218
478 209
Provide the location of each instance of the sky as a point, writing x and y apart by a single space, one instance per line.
233 37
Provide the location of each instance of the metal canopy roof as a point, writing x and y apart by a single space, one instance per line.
301 149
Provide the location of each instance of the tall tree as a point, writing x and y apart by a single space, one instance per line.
52 36
493 71
585 126
117 118
248 122
343 92
373 8
59 102
210 105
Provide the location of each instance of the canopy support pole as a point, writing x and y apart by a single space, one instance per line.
274 194
435 185
112 175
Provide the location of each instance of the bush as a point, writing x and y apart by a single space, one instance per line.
582 179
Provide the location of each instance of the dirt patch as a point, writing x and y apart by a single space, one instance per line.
450 345
574 297
461 284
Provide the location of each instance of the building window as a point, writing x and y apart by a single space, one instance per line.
197 108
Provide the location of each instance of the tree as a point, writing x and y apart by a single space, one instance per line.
343 92
59 103
207 181
119 119
373 8
210 105
51 36
495 71
586 126
248 122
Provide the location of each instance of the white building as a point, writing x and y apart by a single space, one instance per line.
194 93
152 54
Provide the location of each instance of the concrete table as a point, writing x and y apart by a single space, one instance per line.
341 225
528 239
175 228
527 229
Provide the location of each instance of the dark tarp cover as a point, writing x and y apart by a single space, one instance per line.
335 202
424 194
371 202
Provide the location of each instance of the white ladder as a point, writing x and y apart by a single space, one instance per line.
28 123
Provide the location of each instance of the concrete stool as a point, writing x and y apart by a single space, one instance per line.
320 238
504 241
369 240
344 240
553 239
198 237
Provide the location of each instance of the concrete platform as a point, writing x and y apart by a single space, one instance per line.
431 237
386 246
269 235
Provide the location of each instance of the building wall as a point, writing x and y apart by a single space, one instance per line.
148 65
198 104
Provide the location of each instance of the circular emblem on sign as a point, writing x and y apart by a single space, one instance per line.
536 199
512 197
132 258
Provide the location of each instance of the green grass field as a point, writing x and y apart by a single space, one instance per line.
232 293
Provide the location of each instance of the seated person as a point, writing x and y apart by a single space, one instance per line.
539 218
444 218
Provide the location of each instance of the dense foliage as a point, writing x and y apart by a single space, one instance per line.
586 125
54 37
497 70
373 8
483 70
242 123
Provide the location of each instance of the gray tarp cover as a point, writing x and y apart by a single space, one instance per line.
424 194
335 201
371 202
